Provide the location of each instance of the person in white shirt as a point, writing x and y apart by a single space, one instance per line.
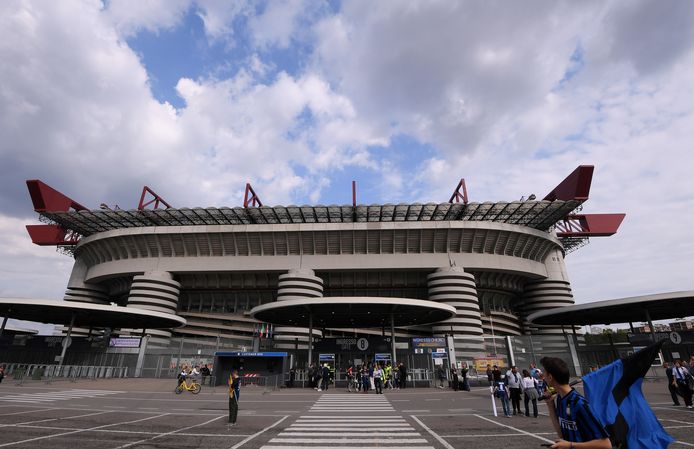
680 379
513 381
378 379
529 384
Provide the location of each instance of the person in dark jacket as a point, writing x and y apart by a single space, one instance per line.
454 378
403 375
311 373
670 382
326 377
496 374
234 394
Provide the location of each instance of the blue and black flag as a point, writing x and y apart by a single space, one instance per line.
615 397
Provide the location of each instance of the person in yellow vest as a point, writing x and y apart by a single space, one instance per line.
234 393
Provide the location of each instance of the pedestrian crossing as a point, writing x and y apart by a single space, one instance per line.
342 421
51 396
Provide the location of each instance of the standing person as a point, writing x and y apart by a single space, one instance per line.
501 392
454 377
529 384
513 380
441 375
681 378
536 373
463 372
403 375
575 424
671 384
490 375
205 372
292 376
496 375
326 377
311 375
350 378
234 394
365 379
2 373
378 379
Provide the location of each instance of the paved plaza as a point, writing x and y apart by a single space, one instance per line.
145 413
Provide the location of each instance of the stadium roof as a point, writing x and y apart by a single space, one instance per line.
660 306
86 314
539 215
350 312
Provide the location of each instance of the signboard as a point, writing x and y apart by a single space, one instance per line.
429 342
382 357
352 344
481 363
250 354
326 358
124 342
439 355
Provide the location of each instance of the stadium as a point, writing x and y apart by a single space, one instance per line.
494 263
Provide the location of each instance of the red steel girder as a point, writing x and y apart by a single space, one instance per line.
458 195
46 199
51 235
576 186
250 197
156 199
589 225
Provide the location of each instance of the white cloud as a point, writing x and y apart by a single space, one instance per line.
493 91
132 16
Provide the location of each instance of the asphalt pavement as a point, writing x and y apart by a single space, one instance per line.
145 413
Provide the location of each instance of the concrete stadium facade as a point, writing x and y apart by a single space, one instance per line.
492 263
494 274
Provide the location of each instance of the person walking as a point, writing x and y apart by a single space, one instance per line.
350 378
513 381
529 385
490 375
681 379
671 384
378 379
571 417
234 394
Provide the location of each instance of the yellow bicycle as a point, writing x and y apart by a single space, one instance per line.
194 387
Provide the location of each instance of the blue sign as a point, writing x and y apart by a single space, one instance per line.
439 355
250 354
382 357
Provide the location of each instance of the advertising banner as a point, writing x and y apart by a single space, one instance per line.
481 363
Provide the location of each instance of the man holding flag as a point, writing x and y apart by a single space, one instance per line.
571 417
617 405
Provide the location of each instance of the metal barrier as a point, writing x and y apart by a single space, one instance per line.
20 372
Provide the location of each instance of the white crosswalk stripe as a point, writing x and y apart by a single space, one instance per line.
344 421
40 398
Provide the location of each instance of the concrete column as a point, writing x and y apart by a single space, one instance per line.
299 283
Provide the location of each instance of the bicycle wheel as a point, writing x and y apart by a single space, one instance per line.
196 389
178 389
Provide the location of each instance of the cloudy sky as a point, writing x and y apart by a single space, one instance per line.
194 98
